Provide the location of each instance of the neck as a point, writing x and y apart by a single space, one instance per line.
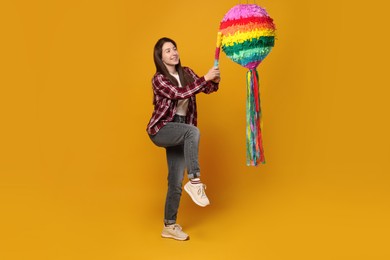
171 69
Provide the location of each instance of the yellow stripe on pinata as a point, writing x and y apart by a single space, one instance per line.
240 37
246 28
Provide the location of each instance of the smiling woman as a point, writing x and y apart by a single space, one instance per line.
80 179
173 126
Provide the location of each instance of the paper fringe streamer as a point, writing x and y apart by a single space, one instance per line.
254 140
246 35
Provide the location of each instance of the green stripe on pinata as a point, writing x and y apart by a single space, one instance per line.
263 41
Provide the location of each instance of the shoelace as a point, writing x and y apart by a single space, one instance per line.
201 190
177 226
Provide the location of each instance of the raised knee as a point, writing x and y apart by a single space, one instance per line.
194 131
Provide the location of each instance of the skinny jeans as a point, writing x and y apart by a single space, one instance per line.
181 142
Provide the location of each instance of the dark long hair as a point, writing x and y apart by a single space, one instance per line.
185 79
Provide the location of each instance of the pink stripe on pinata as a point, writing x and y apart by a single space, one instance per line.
244 11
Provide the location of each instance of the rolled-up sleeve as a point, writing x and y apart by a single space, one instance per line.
209 87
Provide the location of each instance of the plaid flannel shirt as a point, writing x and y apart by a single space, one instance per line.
166 95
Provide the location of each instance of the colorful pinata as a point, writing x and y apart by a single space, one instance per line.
246 35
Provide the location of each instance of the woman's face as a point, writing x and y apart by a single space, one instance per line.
170 55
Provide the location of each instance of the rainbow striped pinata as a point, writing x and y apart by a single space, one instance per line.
246 35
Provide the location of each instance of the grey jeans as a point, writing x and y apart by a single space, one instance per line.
181 142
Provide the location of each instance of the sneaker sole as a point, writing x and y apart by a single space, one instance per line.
176 238
196 202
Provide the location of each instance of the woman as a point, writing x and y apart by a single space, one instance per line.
173 126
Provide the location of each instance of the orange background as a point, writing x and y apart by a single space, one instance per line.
79 178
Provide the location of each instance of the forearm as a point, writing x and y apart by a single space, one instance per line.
164 87
210 87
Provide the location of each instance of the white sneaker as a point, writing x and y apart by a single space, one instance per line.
174 231
197 193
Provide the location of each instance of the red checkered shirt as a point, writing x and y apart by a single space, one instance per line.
166 95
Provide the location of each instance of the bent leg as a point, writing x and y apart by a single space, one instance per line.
174 134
